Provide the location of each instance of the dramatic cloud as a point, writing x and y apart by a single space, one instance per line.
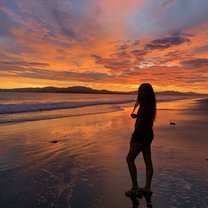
104 44
167 42
139 53
23 64
200 62
66 75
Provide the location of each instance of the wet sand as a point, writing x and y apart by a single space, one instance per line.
79 162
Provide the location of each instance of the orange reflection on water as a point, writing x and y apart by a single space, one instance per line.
59 155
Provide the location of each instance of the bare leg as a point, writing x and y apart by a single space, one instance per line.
135 149
149 167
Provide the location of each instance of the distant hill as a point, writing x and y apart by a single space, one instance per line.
178 93
81 89
75 89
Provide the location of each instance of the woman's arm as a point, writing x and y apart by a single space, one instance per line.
136 104
133 115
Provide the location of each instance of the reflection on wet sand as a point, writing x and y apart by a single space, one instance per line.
80 162
136 201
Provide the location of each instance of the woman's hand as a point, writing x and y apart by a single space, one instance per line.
133 115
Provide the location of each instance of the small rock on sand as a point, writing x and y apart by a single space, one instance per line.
53 141
172 123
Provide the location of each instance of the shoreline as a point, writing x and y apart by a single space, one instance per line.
55 113
87 168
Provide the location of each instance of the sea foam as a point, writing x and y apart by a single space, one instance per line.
32 107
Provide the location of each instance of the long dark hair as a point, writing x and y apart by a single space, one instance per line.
146 97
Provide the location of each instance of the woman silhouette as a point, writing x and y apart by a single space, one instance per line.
142 138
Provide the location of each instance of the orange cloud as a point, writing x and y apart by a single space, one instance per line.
112 44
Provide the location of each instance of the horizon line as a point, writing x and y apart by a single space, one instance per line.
99 89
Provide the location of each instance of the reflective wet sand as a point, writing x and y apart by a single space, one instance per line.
79 162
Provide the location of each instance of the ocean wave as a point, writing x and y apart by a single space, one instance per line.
33 107
36 116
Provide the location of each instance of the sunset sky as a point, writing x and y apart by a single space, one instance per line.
104 44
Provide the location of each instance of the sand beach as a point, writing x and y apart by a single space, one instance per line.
80 161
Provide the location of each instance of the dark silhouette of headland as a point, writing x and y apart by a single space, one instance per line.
82 89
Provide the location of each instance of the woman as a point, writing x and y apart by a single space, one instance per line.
142 138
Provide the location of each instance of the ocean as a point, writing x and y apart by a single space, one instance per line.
69 151
21 107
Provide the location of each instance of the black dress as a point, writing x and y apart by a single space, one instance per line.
143 132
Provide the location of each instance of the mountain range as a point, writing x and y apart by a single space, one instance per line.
81 89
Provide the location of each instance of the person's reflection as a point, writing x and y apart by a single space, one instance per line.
136 201
148 198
